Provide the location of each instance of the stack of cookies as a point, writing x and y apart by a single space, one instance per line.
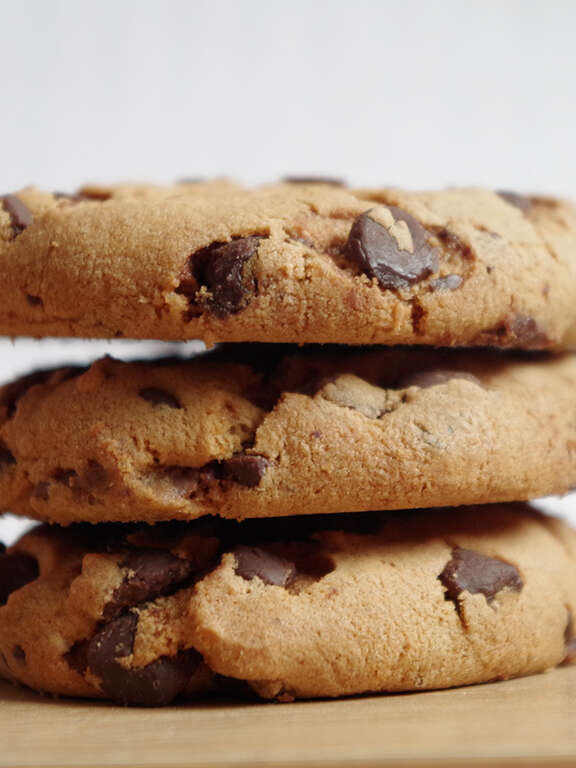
270 520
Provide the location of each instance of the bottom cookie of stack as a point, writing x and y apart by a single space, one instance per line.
317 606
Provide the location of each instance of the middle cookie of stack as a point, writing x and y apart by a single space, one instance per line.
274 431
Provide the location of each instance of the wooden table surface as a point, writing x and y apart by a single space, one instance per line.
528 722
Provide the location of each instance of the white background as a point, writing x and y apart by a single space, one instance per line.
405 92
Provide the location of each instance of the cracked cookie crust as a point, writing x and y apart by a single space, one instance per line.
266 431
298 607
290 262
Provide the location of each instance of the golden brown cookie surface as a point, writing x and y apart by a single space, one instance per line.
304 607
289 263
266 431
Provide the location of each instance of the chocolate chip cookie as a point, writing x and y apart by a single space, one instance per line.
266 431
290 262
320 606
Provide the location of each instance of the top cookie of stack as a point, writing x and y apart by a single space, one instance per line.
290 262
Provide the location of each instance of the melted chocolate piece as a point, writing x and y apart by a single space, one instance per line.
271 569
527 331
432 378
16 570
246 470
223 269
6 456
158 396
376 251
20 214
470 571
157 684
151 573
77 656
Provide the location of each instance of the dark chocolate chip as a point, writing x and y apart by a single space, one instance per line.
271 569
527 331
246 470
447 283
470 571
376 252
20 214
77 656
34 301
151 573
522 202
158 396
453 244
19 654
517 330
327 180
41 491
65 476
16 570
189 480
155 685
224 270
425 379
94 476
6 456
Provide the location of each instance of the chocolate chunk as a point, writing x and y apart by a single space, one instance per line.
77 657
246 470
327 180
224 270
94 476
19 654
16 570
158 396
271 569
453 244
526 331
470 571
517 330
154 685
65 476
20 214
34 301
522 202
447 283
188 481
151 573
376 251
432 378
6 456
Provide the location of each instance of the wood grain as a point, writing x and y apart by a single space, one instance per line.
528 722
